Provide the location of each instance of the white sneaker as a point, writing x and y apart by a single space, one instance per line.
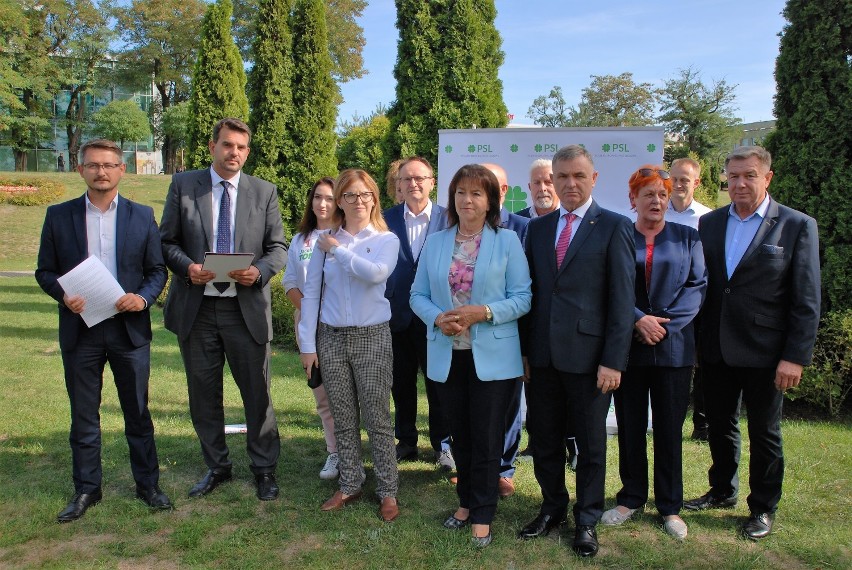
675 528
445 460
614 517
329 470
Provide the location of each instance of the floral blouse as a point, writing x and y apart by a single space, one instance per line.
461 281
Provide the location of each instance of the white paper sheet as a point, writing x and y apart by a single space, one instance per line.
223 263
93 281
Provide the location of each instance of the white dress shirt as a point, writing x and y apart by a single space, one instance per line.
355 278
100 233
689 216
580 212
216 198
416 226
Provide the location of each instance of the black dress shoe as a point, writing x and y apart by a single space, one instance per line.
78 505
154 497
758 525
405 452
710 501
540 526
267 488
210 481
585 541
701 433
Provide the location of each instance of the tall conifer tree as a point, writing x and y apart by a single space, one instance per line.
218 82
269 92
314 110
812 144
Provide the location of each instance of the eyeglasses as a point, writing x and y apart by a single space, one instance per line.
650 171
94 166
419 180
352 197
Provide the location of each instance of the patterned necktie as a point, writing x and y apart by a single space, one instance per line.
564 238
223 234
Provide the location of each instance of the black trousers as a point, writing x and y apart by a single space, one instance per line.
756 387
409 357
84 369
220 332
556 399
669 391
477 412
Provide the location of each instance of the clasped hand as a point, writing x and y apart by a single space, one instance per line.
649 329
456 321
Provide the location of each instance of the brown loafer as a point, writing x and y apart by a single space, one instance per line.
389 509
505 487
339 500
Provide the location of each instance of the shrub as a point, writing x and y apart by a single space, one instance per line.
29 191
283 334
828 381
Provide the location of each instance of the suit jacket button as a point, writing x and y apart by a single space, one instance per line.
727 289
556 291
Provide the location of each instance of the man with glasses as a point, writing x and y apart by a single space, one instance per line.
123 236
220 209
412 221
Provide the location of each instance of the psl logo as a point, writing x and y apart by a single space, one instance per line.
516 199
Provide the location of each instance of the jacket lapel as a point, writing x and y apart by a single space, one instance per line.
122 223
445 259
483 262
245 199
78 222
204 207
765 226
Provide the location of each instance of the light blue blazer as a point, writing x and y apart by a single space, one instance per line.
501 280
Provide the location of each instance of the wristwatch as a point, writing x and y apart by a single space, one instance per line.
489 316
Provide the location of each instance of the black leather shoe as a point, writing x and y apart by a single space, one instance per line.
210 481
540 526
267 488
405 452
701 433
585 541
80 502
710 501
758 525
154 498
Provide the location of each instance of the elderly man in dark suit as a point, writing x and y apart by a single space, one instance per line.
224 210
123 236
412 220
758 330
578 337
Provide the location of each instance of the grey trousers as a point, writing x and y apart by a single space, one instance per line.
357 370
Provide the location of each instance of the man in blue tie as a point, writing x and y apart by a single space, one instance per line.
224 210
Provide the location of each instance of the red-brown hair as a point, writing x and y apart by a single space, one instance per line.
638 180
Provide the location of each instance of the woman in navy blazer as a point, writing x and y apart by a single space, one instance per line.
472 285
670 284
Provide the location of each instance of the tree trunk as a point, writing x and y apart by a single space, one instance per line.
20 160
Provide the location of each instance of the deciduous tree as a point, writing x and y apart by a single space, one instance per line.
121 121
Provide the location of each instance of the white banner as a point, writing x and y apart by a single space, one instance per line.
617 153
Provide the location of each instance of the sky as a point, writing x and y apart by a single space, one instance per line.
564 42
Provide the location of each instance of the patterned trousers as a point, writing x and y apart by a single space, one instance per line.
357 371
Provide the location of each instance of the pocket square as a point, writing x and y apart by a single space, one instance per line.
771 249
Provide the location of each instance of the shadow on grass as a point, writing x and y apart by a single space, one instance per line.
39 333
28 307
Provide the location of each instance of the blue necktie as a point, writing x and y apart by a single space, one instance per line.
223 234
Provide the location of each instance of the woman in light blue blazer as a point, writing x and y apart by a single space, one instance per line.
671 280
472 285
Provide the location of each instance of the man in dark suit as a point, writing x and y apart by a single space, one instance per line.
123 236
224 210
577 340
514 421
412 221
758 330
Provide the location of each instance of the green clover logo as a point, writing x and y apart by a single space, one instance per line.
538 148
606 147
514 148
448 149
516 199
471 148
651 147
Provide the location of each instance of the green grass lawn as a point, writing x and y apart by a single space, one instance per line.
232 529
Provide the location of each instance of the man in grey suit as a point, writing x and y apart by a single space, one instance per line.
576 343
758 329
223 210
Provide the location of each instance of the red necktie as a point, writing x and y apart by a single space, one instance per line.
564 238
